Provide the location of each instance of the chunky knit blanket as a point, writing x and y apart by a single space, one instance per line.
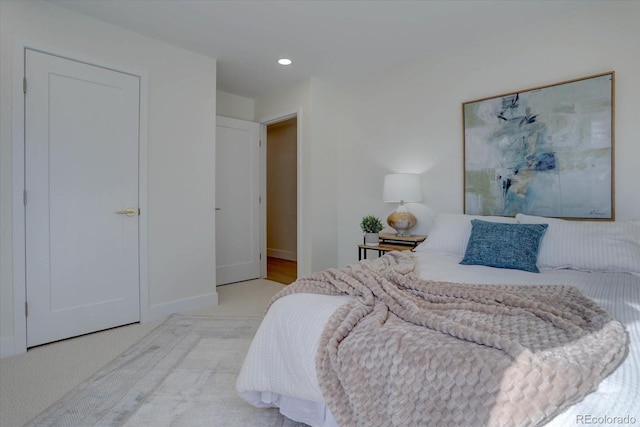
409 352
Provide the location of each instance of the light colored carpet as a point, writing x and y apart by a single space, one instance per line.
35 380
181 374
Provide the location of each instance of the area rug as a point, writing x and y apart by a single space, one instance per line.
182 374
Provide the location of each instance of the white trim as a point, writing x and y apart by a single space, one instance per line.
17 205
183 306
18 183
143 196
277 118
302 263
6 347
263 197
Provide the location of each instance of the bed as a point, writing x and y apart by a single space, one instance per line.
600 260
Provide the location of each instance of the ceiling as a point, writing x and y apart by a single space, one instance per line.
337 41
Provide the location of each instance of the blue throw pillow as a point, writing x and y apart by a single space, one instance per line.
501 245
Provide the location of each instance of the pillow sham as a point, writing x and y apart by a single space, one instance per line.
500 245
588 245
450 233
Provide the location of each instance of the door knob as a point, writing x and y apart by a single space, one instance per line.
127 212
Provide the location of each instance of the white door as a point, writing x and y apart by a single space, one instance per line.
237 200
81 169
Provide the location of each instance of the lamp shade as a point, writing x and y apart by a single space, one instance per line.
402 187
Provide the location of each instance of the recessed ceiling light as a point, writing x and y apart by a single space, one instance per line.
284 61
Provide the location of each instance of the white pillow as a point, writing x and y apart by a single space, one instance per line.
588 245
450 233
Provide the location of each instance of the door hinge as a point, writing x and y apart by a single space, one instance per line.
26 309
260 143
261 256
24 84
259 199
24 197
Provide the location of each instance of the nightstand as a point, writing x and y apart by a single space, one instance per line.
391 242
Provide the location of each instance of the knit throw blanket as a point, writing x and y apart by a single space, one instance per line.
410 352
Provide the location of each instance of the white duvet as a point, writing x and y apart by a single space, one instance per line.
279 370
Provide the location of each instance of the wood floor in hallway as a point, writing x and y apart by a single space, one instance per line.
281 270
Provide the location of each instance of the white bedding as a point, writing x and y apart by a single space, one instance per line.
279 369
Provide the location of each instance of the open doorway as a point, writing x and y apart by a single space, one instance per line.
282 200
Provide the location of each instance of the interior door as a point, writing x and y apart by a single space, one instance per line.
81 180
237 200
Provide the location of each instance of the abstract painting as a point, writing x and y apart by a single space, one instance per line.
545 151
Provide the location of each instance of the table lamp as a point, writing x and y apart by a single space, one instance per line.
401 188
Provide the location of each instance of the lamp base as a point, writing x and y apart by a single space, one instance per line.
402 221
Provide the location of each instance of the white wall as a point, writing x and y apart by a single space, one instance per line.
325 172
235 106
181 147
411 120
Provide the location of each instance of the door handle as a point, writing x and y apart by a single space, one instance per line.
127 212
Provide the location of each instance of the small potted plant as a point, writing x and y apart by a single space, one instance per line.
371 226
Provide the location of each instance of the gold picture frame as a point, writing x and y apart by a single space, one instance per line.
546 151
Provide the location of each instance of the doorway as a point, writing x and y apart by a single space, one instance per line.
237 200
25 87
282 200
81 199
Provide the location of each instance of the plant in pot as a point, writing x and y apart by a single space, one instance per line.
371 226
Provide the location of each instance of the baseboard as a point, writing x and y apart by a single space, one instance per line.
6 347
279 253
182 306
156 312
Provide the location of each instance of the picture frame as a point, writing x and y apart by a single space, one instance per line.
545 151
